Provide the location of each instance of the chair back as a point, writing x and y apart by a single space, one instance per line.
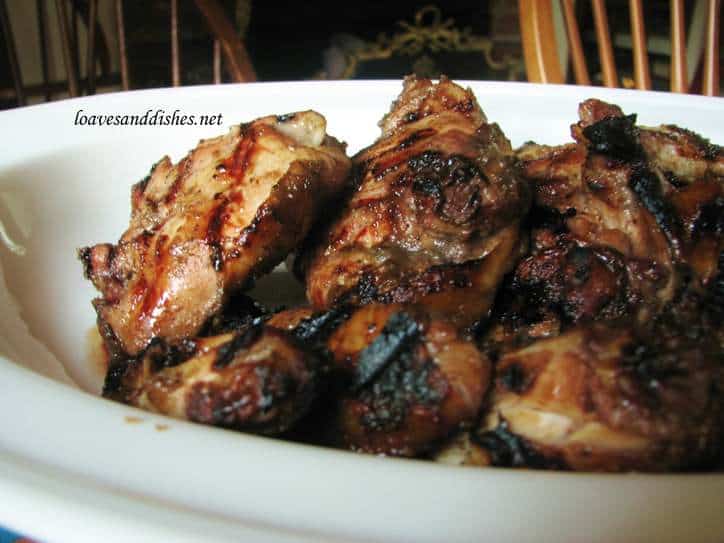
543 65
228 48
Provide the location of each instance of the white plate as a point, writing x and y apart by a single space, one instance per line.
76 467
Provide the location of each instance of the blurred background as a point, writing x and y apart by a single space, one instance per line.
43 40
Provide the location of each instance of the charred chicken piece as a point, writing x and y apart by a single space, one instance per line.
204 228
694 192
620 220
256 379
605 397
435 218
408 381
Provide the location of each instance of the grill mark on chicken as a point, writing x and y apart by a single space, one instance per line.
431 281
239 312
238 163
318 327
399 334
213 232
452 182
618 137
710 219
647 187
366 290
509 450
181 174
242 340
403 384
85 256
514 378
161 355
113 384
415 137
251 396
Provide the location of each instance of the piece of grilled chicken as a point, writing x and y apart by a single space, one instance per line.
204 228
436 216
609 397
401 381
397 382
622 220
254 378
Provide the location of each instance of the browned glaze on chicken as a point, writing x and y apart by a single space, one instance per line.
204 228
435 218
256 379
622 220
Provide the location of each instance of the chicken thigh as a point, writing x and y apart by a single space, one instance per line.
611 397
436 215
399 382
622 221
205 228
255 378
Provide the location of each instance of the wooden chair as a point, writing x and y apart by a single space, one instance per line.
226 41
542 61
228 48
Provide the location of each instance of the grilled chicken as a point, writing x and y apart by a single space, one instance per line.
622 220
400 381
412 380
256 378
435 218
396 381
610 397
206 227
607 333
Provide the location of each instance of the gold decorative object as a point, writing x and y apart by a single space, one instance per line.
428 32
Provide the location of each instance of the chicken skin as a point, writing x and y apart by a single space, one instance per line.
435 219
205 228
